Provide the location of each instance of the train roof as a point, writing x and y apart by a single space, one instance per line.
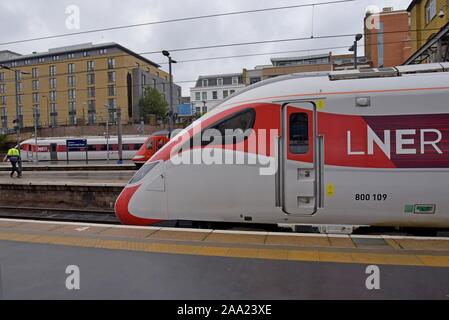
90 138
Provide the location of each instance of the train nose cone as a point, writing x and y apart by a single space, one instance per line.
122 209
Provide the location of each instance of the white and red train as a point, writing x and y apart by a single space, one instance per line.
55 149
351 148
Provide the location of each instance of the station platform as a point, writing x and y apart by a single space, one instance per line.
123 262
119 177
72 166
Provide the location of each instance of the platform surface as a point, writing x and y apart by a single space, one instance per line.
68 177
118 262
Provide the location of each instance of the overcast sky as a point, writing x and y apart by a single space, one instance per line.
24 19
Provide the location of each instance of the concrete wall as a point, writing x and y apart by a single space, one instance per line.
59 196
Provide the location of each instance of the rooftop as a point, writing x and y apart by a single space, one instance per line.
78 48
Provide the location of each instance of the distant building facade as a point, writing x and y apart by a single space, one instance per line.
71 85
211 90
301 64
430 31
387 37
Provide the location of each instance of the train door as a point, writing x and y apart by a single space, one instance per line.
300 170
53 151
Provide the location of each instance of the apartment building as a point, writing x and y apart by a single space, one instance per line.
387 37
210 91
74 85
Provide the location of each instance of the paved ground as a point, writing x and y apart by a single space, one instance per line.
69 176
34 271
164 263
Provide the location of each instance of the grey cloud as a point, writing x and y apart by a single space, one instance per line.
32 18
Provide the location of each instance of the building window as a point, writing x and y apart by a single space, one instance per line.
35 85
55 58
85 53
52 71
91 106
163 87
235 80
37 114
103 51
4 117
214 95
219 81
197 96
92 117
53 115
91 92
225 94
111 63
52 95
70 55
27 62
18 75
72 113
20 87
205 83
112 91
41 60
431 10
232 92
2 76
112 103
204 109
71 81
144 80
71 68
2 88
254 80
154 83
35 97
53 83
90 65
14 64
34 73
204 95
72 94
198 110
111 76
91 79
19 98
3 101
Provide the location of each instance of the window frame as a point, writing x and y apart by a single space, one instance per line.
190 145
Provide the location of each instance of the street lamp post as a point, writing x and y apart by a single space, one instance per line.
353 48
107 131
35 133
119 136
171 113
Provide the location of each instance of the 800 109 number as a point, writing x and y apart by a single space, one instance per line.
371 197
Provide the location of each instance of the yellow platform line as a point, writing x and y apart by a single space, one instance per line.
202 249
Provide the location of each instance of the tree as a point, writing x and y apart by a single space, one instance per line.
153 102
3 142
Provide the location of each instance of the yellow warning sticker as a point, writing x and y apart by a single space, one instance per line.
330 190
321 104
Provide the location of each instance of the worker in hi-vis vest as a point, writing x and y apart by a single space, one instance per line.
13 156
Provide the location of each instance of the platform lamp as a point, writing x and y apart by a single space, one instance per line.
353 48
171 113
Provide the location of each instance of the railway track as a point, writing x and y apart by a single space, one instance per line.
55 214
